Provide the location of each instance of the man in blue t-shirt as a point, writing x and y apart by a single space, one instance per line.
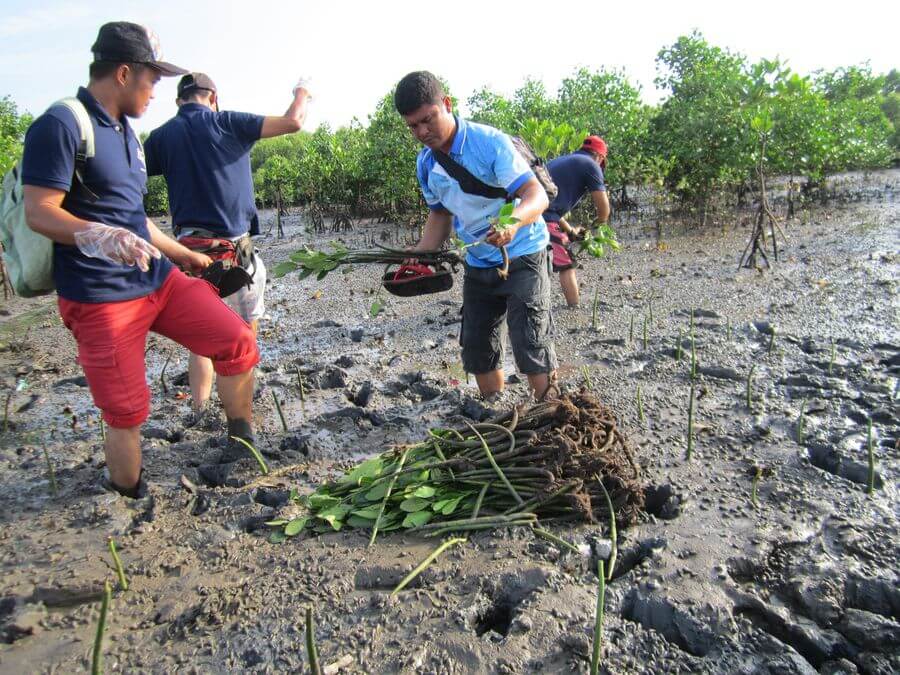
204 155
575 175
488 156
113 283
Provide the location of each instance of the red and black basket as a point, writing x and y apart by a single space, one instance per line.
412 280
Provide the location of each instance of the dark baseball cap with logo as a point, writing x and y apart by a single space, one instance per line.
125 42
193 82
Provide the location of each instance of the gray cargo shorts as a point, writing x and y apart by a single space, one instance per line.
524 300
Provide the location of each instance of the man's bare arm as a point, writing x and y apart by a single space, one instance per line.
45 215
436 230
292 120
601 204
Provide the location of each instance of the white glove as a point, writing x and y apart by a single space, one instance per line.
116 245
303 83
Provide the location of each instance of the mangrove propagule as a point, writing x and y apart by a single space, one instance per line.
598 619
117 562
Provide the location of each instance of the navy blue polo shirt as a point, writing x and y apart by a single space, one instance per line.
117 176
205 157
575 175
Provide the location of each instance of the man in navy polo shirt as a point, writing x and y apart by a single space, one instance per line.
575 175
113 283
204 155
523 299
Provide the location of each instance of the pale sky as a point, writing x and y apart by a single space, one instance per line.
355 51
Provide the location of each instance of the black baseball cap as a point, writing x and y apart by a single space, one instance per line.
194 81
125 42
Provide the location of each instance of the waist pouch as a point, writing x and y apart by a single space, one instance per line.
232 267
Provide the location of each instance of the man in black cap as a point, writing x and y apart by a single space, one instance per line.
204 155
84 180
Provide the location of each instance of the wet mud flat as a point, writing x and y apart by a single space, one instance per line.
805 581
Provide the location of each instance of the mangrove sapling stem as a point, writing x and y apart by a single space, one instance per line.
631 328
594 308
613 532
693 360
51 474
598 620
97 660
480 520
831 358
727 329
870 448
645 334
480 499
162 373
586 374
801 423
678 344
640 405
749 393
771 341
650 307
311 652
692 325
754 499
284 425
256 454
387 495
425 563
471 527
690 424
559 541
6 411
117 561
495 466
540 500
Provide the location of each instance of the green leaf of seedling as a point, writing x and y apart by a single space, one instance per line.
378 492
417 519
318 502
360 523
425 491
413 504
451 505
283 268
370 512
371 468
295 527
277 522
376 308
277 537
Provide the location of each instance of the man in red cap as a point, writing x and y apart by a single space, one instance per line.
575 175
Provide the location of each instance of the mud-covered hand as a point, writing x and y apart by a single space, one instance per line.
116 245
502 236
303 85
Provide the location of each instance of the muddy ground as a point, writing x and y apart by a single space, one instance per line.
807 582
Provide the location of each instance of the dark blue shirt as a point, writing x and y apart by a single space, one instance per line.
574 175
205 157
116 175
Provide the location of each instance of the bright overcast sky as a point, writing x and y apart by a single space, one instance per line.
356 51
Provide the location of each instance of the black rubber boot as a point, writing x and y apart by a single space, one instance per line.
138 491
235 450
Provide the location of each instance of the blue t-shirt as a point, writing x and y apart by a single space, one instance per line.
116 175
205 157
575 175
488 154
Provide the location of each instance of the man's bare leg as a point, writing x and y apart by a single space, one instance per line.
490 383
236 393
569 283
200 376
123 456
540 383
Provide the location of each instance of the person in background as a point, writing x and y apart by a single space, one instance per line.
575 175
204 155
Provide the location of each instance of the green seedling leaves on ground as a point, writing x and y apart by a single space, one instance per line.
296 526
417 519
371 468
413 504
278 522
376 308
283 268
277 537
318 502
425 491
371 512
451 505
378 492
360 523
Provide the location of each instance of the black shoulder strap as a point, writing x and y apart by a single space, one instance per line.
469 183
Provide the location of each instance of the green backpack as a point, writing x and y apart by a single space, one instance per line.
29 255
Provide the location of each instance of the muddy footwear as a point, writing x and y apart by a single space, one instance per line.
216 475
206 418
234 449
139 491
552 391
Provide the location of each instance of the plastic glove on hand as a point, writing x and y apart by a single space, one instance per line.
116 245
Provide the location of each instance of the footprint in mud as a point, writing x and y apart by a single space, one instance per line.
831 459
662 501
676 625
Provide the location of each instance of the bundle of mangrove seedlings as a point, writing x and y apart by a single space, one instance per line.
564 459
309 262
